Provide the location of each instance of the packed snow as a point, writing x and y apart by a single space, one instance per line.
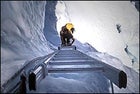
30 29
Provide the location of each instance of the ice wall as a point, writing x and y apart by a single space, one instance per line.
22 37
50 30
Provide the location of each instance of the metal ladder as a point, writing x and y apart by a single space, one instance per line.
68 59
65 59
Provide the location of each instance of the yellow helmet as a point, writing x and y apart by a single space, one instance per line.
69 26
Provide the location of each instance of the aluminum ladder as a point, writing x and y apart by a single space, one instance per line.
65 59
68 59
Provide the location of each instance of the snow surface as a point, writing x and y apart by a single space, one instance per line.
29 30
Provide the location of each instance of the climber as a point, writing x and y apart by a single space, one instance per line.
66 34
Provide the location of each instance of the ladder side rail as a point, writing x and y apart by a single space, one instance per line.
117 76
7 87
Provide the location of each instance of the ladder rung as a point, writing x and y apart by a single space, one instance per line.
72 60
71 55
56 70
71 63
68 53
